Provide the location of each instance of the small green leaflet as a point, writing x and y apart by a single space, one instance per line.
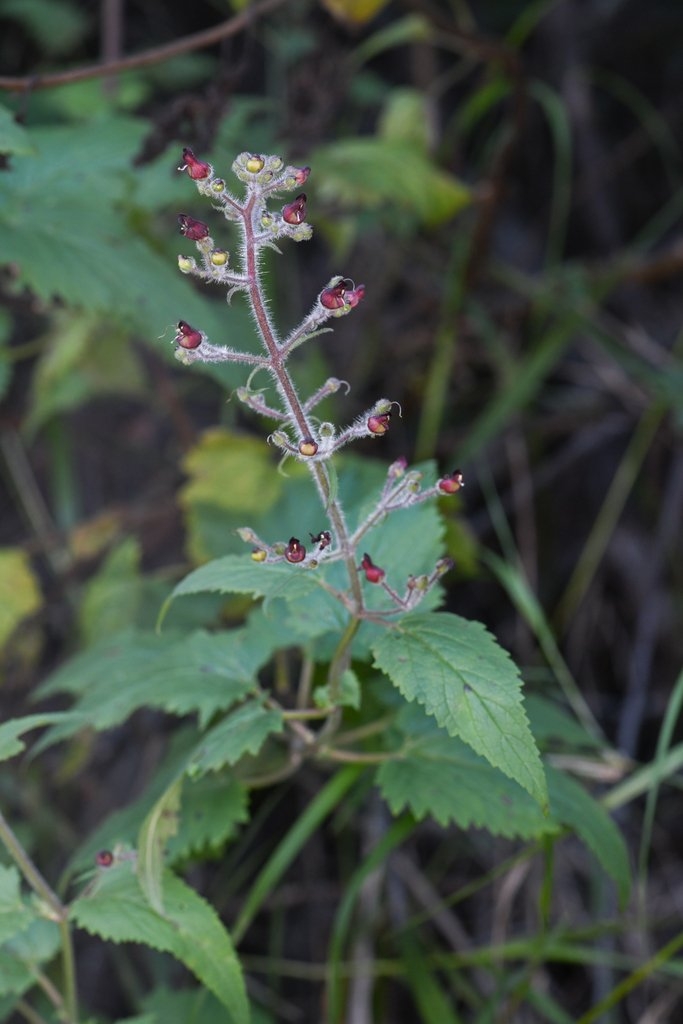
158 827
460 675
190 930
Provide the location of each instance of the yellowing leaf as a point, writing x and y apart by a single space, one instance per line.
227 473
354 12
19 591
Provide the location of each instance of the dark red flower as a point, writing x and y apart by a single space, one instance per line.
342 294
186 336
295 212
322 539
104 859
193 229
379 424
295 551
197 169
301 174
373 573
451 484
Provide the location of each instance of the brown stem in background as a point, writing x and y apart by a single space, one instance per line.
140 60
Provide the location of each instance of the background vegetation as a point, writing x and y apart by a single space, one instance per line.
506 178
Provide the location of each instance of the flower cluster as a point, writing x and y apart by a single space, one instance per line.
261 220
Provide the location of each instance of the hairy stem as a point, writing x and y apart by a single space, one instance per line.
290 398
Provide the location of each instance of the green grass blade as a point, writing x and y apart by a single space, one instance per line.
325 802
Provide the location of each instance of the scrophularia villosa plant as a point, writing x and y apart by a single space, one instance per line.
261 221
384 685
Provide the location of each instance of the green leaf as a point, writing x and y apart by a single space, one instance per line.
211 810
15 914
10 744
240 574
405 119
202 673
374 173
111 602
55 25
22 955
19 591
158 827
350 695
68 225
83 357
437 774
460 675
572 805
549 721
13 137
243 732
190 930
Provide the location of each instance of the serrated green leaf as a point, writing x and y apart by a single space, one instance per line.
66 225
202 673
438 775
211 810
158 827
10 744
190 930
461 676
240 574
19 591
243 732
15 914
572 805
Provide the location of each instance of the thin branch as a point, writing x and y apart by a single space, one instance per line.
158 54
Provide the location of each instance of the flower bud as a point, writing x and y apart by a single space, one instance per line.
186 264
379 424
219 257
259 555
295 551
332 297
295 212
397 468
443 566
255 163
373 573
104 859
451 484
308 447
342 294
197 169
218 185
193 229
186 336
